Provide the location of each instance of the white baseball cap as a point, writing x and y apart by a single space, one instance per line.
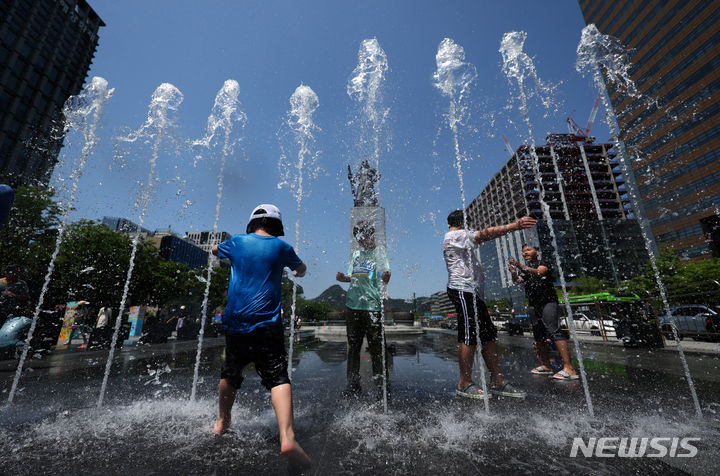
266 210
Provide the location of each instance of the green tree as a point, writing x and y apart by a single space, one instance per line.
287 294
219 280
687 280
171 282
92 265
314 311
28 236
502 303
588 285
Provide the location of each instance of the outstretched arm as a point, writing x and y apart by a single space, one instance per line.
513 267
300 271
493 232
342 277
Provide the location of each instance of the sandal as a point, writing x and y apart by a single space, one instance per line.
507 390
471 391
562 375
540 370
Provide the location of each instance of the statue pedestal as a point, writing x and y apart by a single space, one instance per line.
374 215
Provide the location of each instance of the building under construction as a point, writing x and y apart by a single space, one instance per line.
581 183
573 176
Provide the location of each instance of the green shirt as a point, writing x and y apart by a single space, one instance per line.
365 270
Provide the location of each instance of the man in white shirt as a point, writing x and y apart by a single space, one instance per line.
466 288
103 318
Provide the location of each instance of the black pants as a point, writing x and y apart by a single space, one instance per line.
361 324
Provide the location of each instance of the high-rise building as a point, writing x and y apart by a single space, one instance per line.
440 304
123 225
179 250
169 245
596 231
207 239
46 48
672 132
574 175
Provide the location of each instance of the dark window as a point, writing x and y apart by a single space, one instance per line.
8 38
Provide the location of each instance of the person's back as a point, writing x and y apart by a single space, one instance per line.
254 293
253 321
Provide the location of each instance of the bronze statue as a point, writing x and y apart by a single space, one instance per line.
362 185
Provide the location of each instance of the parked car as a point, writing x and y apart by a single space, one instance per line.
518 324
636 324
12 337
693 320
448 322
585 323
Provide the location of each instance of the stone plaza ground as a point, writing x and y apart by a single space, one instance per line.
148 425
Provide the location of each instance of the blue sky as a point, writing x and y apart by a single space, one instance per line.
271 47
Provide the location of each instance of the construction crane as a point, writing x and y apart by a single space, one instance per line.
507 146
584 134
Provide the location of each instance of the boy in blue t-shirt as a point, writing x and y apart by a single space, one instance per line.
252 321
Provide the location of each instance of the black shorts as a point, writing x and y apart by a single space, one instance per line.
466 305
545 320
265 347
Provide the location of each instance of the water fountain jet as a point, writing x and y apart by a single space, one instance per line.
164 102
225 114
453 78
303 103
82 113
518 66
594 51
365 87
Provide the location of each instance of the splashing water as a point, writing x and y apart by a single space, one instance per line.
82 113
594 51
518 67
163 106
453 78
303 103
365 88
225 114
595 47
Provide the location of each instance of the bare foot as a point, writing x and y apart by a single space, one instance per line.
295 454
221 426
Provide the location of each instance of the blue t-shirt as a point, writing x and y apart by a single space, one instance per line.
255 291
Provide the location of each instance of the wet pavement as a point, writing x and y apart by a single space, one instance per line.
149 426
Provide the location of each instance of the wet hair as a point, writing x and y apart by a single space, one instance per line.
271 225
456 218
